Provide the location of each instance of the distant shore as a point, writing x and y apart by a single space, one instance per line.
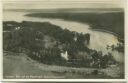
102 30
111 22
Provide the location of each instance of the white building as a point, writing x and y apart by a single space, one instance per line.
64 55
17 28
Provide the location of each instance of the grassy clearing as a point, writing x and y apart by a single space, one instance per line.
21 66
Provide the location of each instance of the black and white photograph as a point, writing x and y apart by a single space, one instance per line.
63 39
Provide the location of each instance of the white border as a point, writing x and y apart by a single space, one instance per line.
126 40
69 80
1 53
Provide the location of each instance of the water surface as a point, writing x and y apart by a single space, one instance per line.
98 40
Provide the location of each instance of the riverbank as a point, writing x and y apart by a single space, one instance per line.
121 40
82 62
102 30
111 21
47 45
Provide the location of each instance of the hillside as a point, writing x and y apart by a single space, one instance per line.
49 44
19 66
111 21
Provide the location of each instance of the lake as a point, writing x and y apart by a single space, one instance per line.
98 39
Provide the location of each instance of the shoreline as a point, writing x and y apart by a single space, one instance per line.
91 28
103 30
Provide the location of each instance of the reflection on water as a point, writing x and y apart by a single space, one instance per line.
98 40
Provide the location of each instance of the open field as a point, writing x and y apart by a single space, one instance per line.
21 66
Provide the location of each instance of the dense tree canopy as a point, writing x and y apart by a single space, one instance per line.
45 42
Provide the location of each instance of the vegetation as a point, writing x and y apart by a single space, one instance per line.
119 47
45 42
112 21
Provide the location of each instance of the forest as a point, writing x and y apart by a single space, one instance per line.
45 42
111 21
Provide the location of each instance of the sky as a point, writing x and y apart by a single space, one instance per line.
49 4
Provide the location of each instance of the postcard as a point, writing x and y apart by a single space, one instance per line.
63 39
